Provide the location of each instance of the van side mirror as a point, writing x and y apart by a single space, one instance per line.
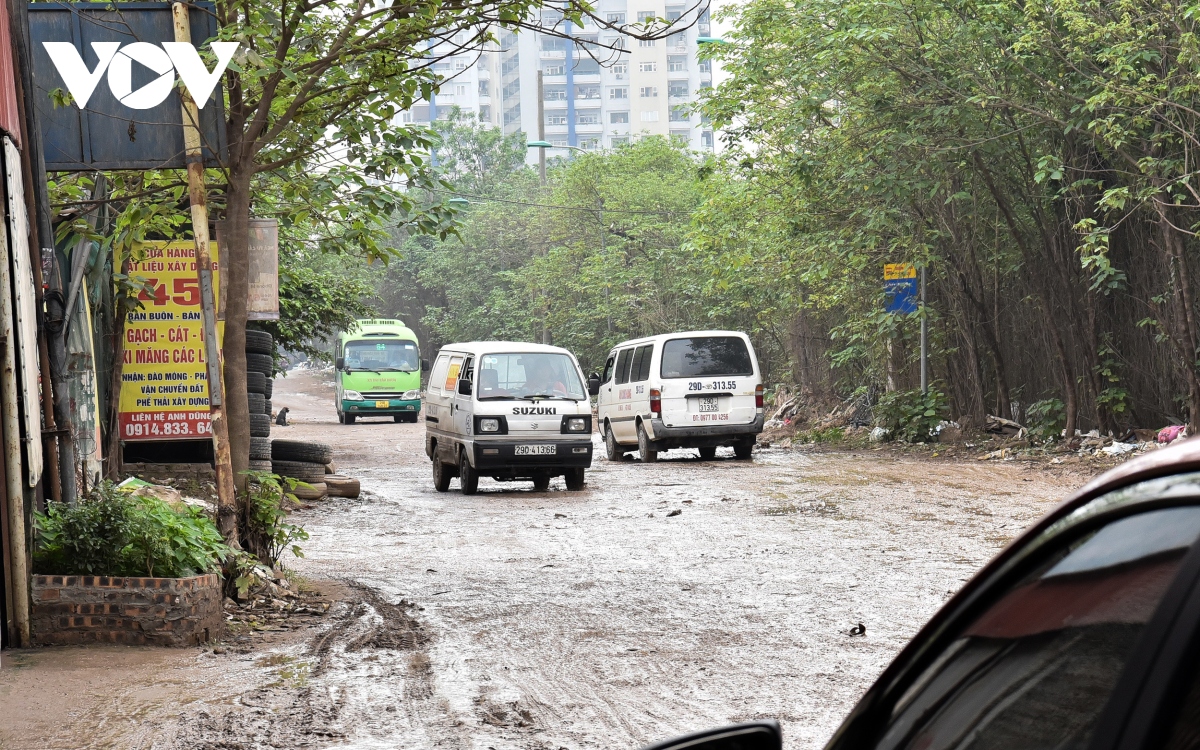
340 363
424 365
755 735
593 384
464 387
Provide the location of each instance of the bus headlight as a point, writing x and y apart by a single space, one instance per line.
411 395
487 424
349 395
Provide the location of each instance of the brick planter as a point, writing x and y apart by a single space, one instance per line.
104 609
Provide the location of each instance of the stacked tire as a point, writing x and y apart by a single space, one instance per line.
305 462
260 362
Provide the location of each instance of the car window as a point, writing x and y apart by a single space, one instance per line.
706 356
529 374
623 365
635 367
608 369
1035 669
452 373
438 374
643 373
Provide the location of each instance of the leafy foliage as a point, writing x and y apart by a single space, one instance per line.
910 415
113 533
1046 419
265 532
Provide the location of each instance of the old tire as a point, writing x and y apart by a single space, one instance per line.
310 491
258 464
301 450
542 483
468 477
260 425
260 363
743 450
260 449
257 403
342 486
305 471
708 453
256 382
645 447
611 449
259 342
441 475
269 388
574 479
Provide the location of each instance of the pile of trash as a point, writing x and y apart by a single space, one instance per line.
267 600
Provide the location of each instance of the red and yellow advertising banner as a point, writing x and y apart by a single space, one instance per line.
164 380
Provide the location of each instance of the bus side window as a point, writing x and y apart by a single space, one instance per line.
608 369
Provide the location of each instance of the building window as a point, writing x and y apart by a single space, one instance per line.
680 114
651 116
647 43
649 92
485 113
620 141
512 114
553 44
587 92
588 67
619 92
589 143
706 139
554 70
616 42
618 118
460 89
554 93
676 63
682 136
485 88
620 69
645 15
556 118
678 89
551 17
558 142
674 15
648 67
706 66
616 18
588 117
460 65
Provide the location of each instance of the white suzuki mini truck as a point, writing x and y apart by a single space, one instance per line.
509 411
696 389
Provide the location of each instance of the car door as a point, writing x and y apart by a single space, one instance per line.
462 404
622 412
605 395
1039 656
639 374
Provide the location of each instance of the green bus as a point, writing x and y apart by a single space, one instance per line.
378 367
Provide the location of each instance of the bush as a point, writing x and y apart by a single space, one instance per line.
910 415
113 533
265 533
1046 419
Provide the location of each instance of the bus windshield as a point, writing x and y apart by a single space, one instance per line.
382 356
529 375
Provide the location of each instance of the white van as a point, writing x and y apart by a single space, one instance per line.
696 389
509 411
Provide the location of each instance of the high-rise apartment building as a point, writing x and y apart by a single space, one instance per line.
592 97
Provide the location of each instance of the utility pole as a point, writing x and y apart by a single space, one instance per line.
197 196
603 253
541 95
924 339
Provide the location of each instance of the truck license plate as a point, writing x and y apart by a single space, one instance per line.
382 404
535 450
708 403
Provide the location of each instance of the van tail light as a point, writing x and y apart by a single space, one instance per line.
758 396
655 401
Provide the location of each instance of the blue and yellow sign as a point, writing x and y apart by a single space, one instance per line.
900 286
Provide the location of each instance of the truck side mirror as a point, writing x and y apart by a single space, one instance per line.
340 363
424 365
593 384
464 387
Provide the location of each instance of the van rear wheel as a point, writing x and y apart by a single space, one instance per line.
708 453
468 477
649 455
743 450
441 475
542 483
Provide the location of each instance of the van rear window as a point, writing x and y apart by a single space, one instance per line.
706 356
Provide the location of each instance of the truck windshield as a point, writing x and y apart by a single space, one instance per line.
383 356
706 356
529 375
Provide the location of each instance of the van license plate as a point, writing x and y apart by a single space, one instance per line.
708 403
382 404
535 450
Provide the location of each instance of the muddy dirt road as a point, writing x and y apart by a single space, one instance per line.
602 618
